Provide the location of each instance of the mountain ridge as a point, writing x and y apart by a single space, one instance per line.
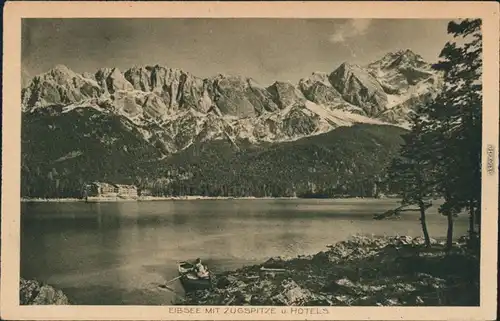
157 99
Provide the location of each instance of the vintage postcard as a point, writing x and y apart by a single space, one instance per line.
250 160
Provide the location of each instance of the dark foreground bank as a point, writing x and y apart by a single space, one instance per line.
362 271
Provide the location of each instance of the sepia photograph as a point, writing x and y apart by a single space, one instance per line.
242 165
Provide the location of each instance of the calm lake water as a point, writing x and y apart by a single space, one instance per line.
117 253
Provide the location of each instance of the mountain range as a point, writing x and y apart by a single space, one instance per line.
110 121
173 108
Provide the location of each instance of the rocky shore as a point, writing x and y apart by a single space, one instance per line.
362 271
34 293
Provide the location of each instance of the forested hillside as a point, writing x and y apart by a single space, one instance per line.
346 161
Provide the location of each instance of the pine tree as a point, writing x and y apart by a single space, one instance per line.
456 117
413 171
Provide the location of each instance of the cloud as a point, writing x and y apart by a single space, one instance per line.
350 29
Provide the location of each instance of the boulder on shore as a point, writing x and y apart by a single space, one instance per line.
34 293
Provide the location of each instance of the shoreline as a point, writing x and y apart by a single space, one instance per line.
180 198
360 271
145 199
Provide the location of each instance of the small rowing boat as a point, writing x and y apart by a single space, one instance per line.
190 281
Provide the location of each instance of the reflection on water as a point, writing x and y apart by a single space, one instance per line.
115 253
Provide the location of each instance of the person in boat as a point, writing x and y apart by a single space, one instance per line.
200 269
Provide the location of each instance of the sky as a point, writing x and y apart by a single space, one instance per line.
264 49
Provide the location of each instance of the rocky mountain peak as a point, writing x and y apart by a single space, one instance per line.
61 69
407 53
317 76
400 70
139 77
347 67
359 87
58 86
240 96
401 59
172 106
112 80
285 94
60 74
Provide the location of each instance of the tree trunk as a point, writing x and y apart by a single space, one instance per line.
449 234
477 218
424 224
471 219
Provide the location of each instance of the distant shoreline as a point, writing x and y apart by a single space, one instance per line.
169 198
145 199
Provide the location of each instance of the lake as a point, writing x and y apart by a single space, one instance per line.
117 252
